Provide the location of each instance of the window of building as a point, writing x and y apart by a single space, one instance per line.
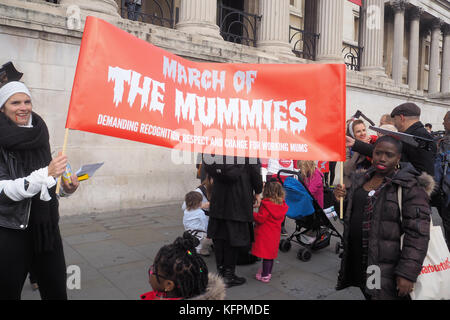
237 25
356 29
427 55
295 7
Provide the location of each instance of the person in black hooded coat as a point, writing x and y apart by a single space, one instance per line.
231 214
373 226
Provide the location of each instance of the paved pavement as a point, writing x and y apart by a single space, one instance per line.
114 250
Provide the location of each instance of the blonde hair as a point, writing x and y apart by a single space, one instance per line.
274 191
389 127
307 168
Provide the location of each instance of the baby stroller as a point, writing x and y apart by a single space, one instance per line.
313 228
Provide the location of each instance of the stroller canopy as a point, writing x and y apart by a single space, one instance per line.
298 199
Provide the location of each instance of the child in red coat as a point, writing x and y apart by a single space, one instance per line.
268 222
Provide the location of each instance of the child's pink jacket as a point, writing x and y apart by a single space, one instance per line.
315 186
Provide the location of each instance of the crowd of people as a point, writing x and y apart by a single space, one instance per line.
376 167
239 207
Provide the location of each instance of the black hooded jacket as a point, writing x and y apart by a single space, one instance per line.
384 248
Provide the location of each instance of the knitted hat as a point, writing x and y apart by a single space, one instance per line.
10 89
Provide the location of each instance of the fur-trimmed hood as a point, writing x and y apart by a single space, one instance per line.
427 182
215 289
408 175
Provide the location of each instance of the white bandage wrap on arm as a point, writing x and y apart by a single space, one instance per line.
38 180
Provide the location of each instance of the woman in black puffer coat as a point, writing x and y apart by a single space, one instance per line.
373 227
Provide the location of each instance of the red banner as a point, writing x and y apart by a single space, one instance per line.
324 166
127 88
358 2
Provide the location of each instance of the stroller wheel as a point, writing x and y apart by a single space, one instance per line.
285 245
304 254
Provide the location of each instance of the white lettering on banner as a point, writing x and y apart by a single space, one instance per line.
119 76
242 79
251 115
193 139
229 112
206 79
117 123
238 113
275 146
298 147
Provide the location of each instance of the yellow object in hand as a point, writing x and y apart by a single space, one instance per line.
83 177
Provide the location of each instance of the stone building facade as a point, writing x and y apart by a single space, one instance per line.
395 51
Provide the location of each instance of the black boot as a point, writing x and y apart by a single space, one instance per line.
220 271
231 279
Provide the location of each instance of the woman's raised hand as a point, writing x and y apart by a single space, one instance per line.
57 166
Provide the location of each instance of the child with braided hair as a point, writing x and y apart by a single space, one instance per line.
178 272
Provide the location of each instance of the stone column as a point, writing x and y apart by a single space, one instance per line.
423 35
414 40
273 32
433 76
399 30
98 8
445 73
199 17
330 27
372 35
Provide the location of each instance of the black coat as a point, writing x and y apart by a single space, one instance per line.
13 214
386 229
422 160
234 201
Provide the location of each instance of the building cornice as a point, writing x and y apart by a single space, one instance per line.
437 8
